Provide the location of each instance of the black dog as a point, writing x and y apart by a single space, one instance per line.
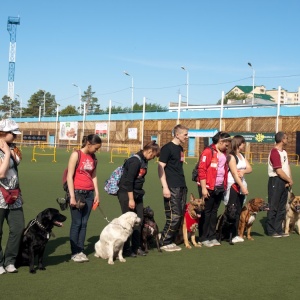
149 229
36 236
226 224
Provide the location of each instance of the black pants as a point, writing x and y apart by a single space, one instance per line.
135 238
208 220
238 200
277 196
174 211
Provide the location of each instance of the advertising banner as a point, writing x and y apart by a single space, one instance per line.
68 130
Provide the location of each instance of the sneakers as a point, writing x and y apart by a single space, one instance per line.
2 270
237 239
214 242
77 258
284 234
276 235
11 269
140 252
207 244
170 248
83 257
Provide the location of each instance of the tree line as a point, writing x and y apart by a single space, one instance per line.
43 99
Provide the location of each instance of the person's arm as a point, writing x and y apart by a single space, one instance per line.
4 164
163 180
248 169
96 190
205 156
70 177
280 173
235 174
133 165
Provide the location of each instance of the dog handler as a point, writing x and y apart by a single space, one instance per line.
131 193
236 184
280 180
212 182
83 187
170 172
10 157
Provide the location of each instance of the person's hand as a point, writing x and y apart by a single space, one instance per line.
4 147
72 201
205 193
240 173
166 193
131 204
244 191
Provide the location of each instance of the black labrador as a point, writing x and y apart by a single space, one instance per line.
226 224
149 229
35 238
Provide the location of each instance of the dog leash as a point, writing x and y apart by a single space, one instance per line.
101 211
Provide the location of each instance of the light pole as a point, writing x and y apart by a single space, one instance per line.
79 96
44 103
126 73
187 85
20 105
253 75
56 122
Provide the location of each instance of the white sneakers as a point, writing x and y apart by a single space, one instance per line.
79 257
211 243
170 248
214 242
2 270
237 239
83 257
11 269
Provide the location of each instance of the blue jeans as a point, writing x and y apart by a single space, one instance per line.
79 223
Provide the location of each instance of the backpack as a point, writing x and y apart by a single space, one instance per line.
111 185
65 173
195 170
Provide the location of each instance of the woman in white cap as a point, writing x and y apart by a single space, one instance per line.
10 207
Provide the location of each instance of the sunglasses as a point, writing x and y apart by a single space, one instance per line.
12 133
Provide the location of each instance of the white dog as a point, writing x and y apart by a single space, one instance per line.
114 235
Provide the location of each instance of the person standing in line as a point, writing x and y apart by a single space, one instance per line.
212 183
10 157
170 172
131 193
236 183
280 180
83 187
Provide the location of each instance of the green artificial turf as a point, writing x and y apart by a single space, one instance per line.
265 268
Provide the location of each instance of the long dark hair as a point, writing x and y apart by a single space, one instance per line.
221 135
237 141
93 139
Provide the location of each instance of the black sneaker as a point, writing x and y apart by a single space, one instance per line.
276 235
129 254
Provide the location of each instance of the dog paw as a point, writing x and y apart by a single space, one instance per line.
198 245
32 271
111 262
42 268
122 259
188 246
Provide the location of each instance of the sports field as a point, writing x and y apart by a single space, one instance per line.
265 268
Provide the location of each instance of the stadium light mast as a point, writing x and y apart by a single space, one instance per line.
253 75
187 84
12 23
127 74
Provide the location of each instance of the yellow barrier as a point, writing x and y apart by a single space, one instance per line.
119 152
294 158
72 147
35 153
249 156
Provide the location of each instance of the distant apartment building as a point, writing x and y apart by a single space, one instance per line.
263 96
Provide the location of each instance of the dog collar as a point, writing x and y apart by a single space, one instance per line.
35 221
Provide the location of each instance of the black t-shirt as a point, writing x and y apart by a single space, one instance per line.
172 156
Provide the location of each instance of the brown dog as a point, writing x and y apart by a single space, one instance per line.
292 216
190 222
248 216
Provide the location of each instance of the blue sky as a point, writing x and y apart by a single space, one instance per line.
92 42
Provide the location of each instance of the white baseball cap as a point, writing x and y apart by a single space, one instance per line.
9 125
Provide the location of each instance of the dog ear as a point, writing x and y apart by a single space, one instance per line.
292 197
192 197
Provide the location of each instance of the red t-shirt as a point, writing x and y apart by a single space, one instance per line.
83 174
